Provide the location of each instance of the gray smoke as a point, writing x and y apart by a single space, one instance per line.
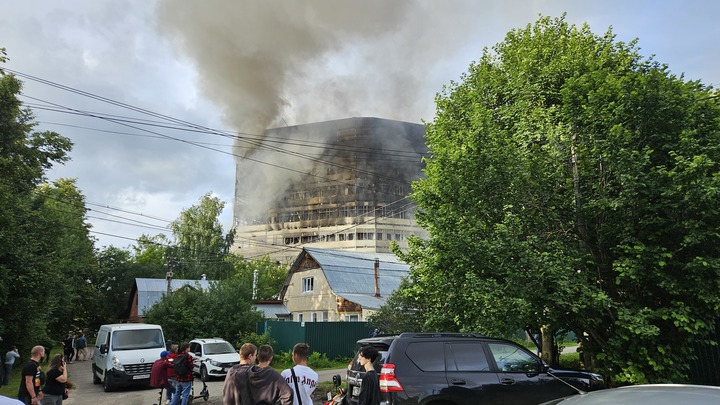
272 63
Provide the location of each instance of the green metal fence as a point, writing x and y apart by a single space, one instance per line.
334 339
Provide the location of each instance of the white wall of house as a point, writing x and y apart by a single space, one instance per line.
310 299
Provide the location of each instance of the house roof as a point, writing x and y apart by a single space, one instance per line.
351 274
151 290
272 311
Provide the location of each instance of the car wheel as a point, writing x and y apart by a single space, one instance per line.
204 374
96 379
106 384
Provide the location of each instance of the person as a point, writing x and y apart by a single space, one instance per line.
159 375
370 384
183 381
56 383
32 378
81 347
10 358
374 332
264 356
301 378
262 384
172 383
68 348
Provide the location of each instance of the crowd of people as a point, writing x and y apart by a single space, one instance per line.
48 387
245 382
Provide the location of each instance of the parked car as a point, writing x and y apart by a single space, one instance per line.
460 368
213 357
651 394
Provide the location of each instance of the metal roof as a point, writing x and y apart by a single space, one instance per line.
351 274
271 311
151 290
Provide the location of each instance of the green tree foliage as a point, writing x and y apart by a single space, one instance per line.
224 310
573 184
33 254
270 275
201 245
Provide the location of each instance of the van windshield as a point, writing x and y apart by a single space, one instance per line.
137 339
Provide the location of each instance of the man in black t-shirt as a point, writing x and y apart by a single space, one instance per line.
32 378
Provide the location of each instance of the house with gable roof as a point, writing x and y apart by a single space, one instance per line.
326 285
147 291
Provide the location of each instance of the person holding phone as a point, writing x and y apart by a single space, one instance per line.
56 384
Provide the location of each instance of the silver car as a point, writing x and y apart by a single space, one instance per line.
654 394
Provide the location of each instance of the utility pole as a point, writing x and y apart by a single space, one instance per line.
377 276
169 274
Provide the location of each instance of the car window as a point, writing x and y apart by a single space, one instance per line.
427 356
219 348
467 356
377 364
194 347
512 358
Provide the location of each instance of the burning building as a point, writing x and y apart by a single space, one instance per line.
344 184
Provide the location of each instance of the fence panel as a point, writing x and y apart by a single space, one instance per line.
334 339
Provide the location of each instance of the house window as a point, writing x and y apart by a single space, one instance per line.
300 317
314 316
326 316
307 284
352 318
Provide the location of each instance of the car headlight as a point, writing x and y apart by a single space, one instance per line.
215 363
117 364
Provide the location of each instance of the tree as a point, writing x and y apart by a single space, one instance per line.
223 310
26 261
201 244
573 184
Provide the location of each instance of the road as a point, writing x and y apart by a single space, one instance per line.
85 392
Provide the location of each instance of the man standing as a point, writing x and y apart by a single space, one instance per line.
183 375
264 356
81 346
10 358
256 384
301 378
68 348
32 378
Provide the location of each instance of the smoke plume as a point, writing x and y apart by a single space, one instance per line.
272 63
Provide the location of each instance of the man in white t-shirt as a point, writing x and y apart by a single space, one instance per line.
305 380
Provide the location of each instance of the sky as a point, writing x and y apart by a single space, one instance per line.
163 99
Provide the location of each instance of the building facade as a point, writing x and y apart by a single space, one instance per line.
352 193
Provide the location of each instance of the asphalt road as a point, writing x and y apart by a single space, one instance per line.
85 392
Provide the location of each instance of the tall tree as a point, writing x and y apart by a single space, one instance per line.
573 184
201 244
25 261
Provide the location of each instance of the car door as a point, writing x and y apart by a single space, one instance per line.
196 350
523 379
470 377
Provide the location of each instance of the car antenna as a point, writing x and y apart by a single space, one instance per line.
579 391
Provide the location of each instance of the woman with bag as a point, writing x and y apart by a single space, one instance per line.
56 385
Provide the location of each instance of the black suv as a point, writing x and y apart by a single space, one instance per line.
458 368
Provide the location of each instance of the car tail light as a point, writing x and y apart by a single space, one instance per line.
350 365
388 382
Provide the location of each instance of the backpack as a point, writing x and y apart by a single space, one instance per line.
180 365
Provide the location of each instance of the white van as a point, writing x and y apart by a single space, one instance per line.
124 354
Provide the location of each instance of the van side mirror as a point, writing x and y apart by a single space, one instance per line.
103 349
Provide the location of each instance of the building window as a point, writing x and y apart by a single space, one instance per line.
352 318
300 317
326 316
314 316
307 284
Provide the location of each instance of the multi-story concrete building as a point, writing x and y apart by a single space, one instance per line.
345 187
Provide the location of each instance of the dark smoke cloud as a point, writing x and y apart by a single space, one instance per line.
272 63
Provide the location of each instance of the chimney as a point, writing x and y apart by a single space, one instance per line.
377 275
